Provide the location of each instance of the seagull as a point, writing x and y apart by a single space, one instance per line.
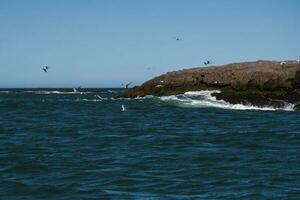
178 39
76 89
123 108
45 68
207 62
298 61
150 68
99 97
126 85
282 64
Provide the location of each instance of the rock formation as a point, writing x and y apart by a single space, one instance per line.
258 83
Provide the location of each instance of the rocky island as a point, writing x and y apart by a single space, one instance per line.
259 83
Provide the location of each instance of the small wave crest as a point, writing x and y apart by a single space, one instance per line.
55 92
5 91
92 100
136 98
204 98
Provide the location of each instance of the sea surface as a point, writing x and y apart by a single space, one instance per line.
60 144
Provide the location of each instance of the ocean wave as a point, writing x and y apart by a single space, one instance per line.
55 92
92 100
136 98
84 91
204 98
75 100
5 91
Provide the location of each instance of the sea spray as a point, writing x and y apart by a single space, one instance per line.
204 98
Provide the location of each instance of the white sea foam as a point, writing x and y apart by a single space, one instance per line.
129 99
204 98
90 100
144 97
111 91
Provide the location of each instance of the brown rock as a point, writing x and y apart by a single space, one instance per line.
239 82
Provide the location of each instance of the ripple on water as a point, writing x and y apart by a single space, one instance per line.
54 147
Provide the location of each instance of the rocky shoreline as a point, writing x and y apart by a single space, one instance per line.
259 83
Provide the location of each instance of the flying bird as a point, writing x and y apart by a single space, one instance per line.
178 39
150 68
99 97
126 85
123 108
76 89
207 62
45 68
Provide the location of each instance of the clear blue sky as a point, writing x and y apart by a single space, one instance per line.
102 43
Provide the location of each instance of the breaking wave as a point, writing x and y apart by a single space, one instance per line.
192 99
204 98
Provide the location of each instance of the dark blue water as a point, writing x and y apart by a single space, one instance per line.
63 145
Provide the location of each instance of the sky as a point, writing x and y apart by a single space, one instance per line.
103 43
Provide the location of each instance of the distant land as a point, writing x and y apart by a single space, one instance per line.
259 83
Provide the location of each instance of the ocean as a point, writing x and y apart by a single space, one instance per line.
60 144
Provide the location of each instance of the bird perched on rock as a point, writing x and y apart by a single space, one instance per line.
282 64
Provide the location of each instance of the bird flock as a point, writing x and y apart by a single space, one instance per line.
46 68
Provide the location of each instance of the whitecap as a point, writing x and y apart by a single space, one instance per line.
5 91
92 100
204 98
